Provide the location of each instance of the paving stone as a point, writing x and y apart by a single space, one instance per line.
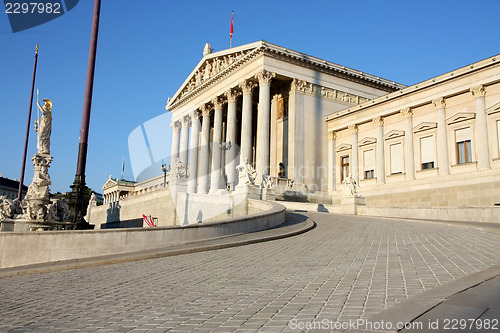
348 267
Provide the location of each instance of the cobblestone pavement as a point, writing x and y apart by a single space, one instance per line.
346 268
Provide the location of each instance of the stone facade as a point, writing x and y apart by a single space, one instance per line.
264 104
433 144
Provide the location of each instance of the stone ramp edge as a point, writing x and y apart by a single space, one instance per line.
411 309
201 246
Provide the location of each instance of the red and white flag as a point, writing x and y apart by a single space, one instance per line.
148 220
231 32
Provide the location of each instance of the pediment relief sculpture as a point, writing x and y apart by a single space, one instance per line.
210 68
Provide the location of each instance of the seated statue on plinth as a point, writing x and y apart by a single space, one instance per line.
351 188
247 173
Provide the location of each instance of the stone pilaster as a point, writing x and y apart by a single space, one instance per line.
186 123
443 162
176 131
409 158
332 172
204 152
232 153
193 149
263 119
355 154
246 122
380 159
216 173
482 143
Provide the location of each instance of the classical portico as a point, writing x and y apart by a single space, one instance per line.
264 105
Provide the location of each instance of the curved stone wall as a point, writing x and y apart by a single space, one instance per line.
37 247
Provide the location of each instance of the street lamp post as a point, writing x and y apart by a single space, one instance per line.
165 169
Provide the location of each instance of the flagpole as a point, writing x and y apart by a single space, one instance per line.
78 187
21 180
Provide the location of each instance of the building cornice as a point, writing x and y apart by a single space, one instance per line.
430 83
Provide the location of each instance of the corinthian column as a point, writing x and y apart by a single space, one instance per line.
204 153
409 159
443 162
232 153
186 123
379 121
193 148
355 157
331 161
482 144
176 131
263 119
246 122
218 102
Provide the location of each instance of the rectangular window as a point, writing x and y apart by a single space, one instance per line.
369 163
344 168
463 140
427 152
396 151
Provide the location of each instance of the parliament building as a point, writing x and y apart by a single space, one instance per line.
306 125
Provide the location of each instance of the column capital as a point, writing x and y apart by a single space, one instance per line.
439 103
186 121
206 109
247 86
407 112
353 128
264 76
232 95
478 91
195 115
218 102
378 120
332 135
176 125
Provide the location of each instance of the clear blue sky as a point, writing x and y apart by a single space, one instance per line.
146 50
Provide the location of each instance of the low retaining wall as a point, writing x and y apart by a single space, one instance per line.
465 214
38 247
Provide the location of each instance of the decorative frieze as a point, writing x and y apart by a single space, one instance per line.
324 92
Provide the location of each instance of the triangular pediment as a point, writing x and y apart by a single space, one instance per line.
394 134
493 109
367 141
459 117
342 147
211 68
109 183
424 127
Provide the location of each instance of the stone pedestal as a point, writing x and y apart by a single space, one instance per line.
349 205
22 225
